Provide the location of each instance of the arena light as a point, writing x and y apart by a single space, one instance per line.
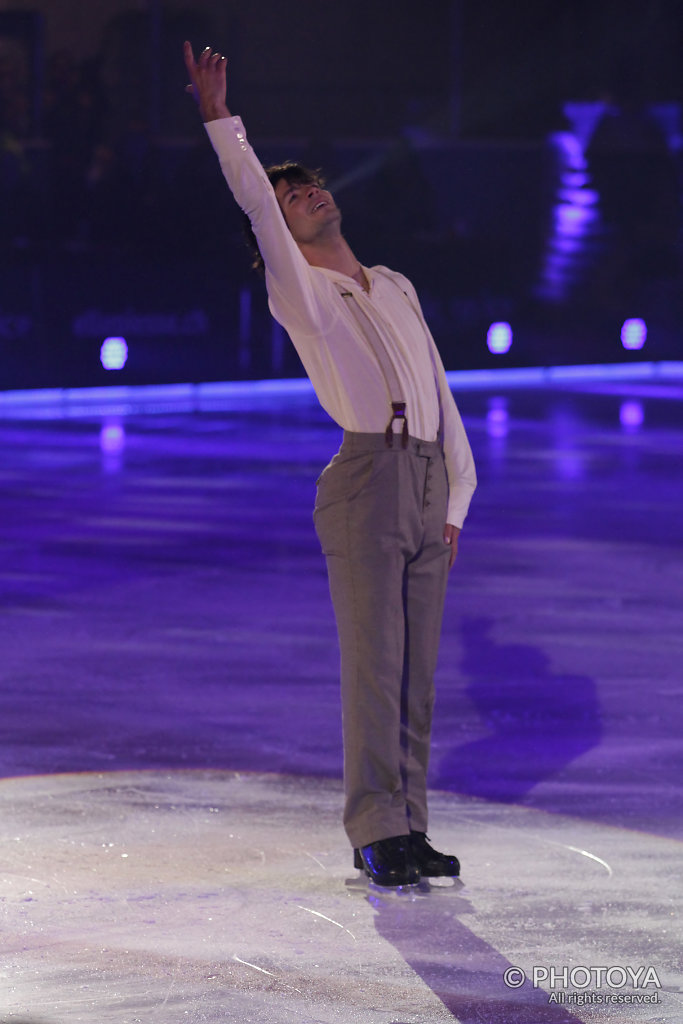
114 353
633 334
499 338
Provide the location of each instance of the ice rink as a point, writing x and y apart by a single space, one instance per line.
172 848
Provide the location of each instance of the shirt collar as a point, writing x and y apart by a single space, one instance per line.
336 275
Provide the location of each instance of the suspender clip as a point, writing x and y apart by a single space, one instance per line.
398 412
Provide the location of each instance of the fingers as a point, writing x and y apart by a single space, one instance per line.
450 536
208 61
207 78
188 54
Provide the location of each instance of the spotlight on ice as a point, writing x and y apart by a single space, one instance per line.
499 338
114 353
631 415
633 334
497 417
112 438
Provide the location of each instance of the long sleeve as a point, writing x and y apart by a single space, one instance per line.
288 275
462 475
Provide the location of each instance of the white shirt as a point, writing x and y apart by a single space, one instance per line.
337 354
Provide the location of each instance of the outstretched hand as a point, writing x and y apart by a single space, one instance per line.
207 82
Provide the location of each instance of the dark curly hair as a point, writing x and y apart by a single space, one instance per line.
294 174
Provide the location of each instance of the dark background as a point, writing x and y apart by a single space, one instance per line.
521 162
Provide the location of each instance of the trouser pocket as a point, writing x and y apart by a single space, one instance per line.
340 484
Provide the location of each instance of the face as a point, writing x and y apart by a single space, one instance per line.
309 210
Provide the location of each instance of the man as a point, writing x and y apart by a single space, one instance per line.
390 505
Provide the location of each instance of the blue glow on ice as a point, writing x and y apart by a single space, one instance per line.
631 415
45 403
497 420
112 437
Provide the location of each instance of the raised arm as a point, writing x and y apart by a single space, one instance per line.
207 82
288 276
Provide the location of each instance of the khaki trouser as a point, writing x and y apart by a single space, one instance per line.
380 514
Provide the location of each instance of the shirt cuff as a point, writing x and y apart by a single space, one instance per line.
227 134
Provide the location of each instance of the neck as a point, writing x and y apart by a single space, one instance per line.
333 254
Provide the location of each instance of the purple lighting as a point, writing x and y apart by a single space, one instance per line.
112 438
574 222
497 417
633 334
499 338
114 353
631 415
